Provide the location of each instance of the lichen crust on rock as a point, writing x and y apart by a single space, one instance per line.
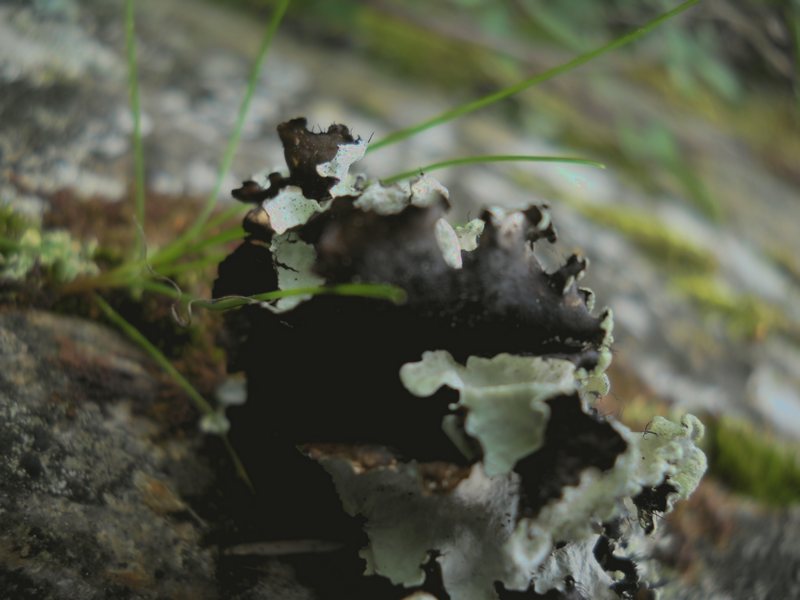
460 426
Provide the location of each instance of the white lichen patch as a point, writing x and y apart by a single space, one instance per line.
421 192
452 241
467 526
570 564
339 167
290 208
596 381
294 263
215 423
468 234
473 528
448 243
505 397
427 191
384 200
668 451
671 449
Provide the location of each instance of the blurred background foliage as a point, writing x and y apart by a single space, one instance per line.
733 62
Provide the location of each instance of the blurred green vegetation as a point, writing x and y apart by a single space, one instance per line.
734 64
663 244
699 53
26 249
744 315
752 462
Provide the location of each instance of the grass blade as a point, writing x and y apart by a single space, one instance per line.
136 115
233 142
506 92
375 291
200 403
361 290
469 160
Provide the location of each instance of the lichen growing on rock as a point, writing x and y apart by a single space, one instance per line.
458 426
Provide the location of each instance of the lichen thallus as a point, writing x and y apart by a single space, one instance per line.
141 272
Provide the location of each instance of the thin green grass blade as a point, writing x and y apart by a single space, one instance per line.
200 403
794 21
178 268
506 92
129 272
134 334
136 114
223 237
234 210
490 158
361 290
233 143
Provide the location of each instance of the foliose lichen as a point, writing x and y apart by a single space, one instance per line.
459 426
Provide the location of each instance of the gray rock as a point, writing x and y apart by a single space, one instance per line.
90 506
728 548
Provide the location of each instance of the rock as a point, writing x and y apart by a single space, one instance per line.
728 547
91 504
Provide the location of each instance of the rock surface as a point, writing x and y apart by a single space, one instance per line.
91 499
731 548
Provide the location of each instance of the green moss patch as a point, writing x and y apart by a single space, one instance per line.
660 242
754 463
745 315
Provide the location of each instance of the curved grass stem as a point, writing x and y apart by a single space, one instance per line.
177 247
506 92
136 115
197 399
360 290
489 158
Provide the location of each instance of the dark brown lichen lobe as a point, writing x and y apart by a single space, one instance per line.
482 317
303 151
500 300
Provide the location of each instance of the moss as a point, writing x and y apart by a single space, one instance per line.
765 120
753 462
786 262
662 243
12 224
745 315
416 51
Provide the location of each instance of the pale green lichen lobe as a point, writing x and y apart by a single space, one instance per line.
339 167
505 397
294 262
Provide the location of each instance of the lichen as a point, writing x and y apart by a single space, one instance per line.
294 260
460 426
475 528
505 399
289 209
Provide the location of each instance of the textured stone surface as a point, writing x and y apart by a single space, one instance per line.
728 547
90 505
